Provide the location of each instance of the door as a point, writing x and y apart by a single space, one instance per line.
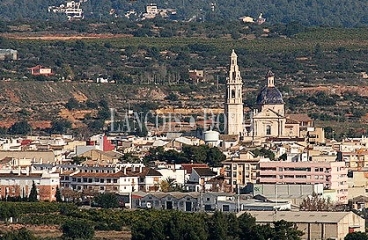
188 206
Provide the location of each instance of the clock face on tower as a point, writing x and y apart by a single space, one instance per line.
233 115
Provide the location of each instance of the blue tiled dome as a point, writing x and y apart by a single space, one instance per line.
269 95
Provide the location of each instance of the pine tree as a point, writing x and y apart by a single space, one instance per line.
33 194
58 195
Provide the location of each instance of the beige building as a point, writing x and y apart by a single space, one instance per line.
241 169
234 99
357 184
315 225
314 135
110 157
269 120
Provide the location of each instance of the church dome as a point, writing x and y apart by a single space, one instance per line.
269 93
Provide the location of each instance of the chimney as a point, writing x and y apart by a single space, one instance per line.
125 170
140 168
27 171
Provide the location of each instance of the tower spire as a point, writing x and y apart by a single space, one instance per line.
270 79
234 98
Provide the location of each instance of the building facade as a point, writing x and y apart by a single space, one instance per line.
234 99
240 170
18 183
333 175
315 225
268 120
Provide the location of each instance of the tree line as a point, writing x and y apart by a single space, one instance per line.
212 156
145 224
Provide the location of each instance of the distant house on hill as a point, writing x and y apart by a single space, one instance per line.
40 70
8 54
196 75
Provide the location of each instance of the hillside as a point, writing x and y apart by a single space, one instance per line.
310 12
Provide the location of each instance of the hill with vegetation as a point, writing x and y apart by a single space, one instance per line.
310 12
313 66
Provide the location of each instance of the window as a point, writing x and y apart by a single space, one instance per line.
268 130
102 188
232 93
115 180
108 180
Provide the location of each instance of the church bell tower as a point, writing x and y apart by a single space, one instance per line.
234 99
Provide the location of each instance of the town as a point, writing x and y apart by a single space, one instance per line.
272 165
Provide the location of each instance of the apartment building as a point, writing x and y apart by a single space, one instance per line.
333 175
240 169
99 179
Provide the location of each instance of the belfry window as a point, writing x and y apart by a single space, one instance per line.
268 130
232 93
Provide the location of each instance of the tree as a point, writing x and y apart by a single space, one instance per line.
316 203
356 236
283 157
246 224
142 131
129 158
72 104
21 234
21 127
33 195
264 153
218 226
286 231
168 185
172 97
58 195
215 157
104 104
78 229
78 159
60 126
107 200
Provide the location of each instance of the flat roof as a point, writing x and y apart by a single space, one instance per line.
298 216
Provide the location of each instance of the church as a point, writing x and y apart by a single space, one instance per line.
267 120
